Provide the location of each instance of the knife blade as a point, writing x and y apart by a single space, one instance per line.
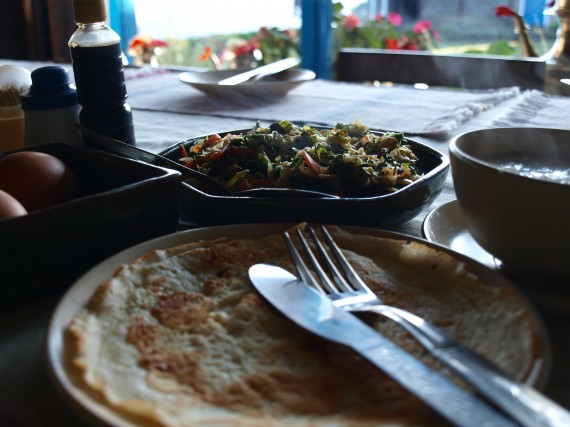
265 70
316 313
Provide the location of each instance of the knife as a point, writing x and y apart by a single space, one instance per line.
260 72
316 313
136 153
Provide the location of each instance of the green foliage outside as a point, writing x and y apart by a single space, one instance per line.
459 35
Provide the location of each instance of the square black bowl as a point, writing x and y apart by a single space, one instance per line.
122 202
203 208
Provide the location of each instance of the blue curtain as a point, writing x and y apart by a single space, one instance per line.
316 37
122 20
534 12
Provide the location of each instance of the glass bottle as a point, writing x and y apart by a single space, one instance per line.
99 73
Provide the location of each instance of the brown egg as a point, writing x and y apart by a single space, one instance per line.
10 207
37 180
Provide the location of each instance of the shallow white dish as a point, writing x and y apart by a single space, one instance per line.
92 409
445 225
269 88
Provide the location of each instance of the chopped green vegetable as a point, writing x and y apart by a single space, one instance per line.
347 160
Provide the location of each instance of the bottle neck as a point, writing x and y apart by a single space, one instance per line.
91 26
93 34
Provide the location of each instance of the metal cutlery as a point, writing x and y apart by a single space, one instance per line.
522 402
316 313
256 74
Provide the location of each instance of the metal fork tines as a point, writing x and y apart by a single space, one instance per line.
338 289
349 291
346 289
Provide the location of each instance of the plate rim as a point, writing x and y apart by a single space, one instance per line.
78 294
450 213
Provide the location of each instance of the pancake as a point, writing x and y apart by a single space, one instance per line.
179 337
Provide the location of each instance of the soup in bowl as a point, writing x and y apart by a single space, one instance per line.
513 186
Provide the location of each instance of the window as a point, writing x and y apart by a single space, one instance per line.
461 26
190 27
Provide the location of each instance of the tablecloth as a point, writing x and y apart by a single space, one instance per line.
537 109
434 112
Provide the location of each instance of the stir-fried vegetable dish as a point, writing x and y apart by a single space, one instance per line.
347 160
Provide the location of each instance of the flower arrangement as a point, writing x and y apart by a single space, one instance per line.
145 49
384 32
266 46
242 53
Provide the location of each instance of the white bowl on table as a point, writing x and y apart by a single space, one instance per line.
524 221
270 88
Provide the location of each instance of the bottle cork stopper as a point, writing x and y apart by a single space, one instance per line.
89 11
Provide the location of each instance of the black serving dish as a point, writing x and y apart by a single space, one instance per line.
203 208
122 202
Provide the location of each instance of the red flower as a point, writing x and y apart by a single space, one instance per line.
379 17
505 11
395 19
246 48
158 43
137 43
422 26
351 21
146 43
410 46
207 54
392 44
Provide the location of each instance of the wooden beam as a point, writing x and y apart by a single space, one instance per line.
465 71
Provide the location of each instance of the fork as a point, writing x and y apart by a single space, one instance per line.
520 401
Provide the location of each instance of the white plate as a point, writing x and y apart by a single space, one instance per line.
268 89
444 225
76 297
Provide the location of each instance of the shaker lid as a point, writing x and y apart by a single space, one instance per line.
89 11
50 88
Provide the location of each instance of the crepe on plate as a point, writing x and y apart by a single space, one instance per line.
179 337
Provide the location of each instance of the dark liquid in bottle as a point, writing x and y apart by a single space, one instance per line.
102 92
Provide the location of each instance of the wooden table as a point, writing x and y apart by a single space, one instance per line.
28 393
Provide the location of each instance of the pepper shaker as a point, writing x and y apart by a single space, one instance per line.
51 108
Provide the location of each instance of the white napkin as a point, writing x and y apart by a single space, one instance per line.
435 112
537 109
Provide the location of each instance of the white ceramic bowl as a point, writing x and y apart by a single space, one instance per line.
523 221
270 88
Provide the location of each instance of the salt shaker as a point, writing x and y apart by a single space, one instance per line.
51 108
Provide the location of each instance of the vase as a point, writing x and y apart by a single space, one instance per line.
557 59
244 61
147 57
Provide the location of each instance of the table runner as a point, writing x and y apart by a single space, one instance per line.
434 112
537 109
